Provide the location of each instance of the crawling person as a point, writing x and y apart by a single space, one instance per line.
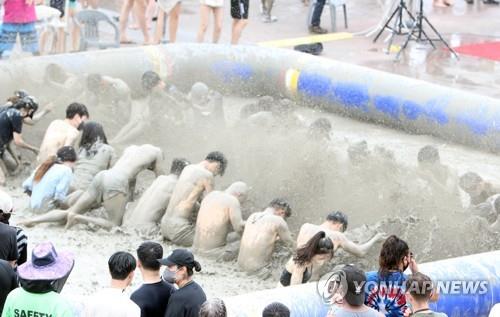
220 211
196 180
63 132
478 189
11 126
262 231
152 205
109 91
111 189
334 226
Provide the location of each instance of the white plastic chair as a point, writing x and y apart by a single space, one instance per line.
333 4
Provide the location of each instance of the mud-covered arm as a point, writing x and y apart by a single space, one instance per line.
359 250
158 168
297 274
236 219
284 233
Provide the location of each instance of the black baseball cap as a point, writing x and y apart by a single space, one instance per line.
355 280
180 257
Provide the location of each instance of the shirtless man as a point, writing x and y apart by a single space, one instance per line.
105 90
434 172
63 132
206 106
262 230
197 180
111 188
152 205
220 211
334 226
478 189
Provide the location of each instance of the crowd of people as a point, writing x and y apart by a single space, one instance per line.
77 171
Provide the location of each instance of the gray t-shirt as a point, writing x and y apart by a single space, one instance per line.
341 312
89 164
429 314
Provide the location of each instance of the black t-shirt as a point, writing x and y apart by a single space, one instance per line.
186 301
8 243
153 298
8 281
10 121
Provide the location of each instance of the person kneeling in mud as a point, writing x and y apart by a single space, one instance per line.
298 270
195 181
262 231
152 205
334 226
111 188
220 211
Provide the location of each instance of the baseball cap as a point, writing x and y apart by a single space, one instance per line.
355 280
6 204
180 257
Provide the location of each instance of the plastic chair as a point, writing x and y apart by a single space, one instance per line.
333 4
88 21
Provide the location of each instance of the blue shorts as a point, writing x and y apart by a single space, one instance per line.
27 33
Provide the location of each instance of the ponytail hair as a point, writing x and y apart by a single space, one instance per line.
318 244
196 266
64 154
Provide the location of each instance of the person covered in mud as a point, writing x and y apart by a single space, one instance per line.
220 211
259 113
112 189
270 113
11 126
477 188
262 231
154 201
109 91
17 97
206 108
48 186
435 173
196 180
62 85
384 290
320 130
94 155
298 269
63 132
334 227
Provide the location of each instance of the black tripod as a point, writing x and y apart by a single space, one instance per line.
397 29
418 29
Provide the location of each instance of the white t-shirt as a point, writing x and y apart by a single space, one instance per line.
495 311
111 302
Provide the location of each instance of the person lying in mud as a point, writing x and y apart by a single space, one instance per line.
220 211
262 231
112 189
477 188
298 270
94 155
63 132
436 173
196 180
334 226
11 125
154 201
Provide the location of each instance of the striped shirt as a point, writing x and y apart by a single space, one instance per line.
22 246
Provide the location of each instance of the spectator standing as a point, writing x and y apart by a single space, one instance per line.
111 301
239 13
187 300
41 279
172 9
6 210
19 18
316 18
385 288
140 13
8 237
154 294
266 7
276 310
8 281
208 7
354 296
214 307
419 292
49 184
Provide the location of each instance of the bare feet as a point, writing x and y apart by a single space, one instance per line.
71 220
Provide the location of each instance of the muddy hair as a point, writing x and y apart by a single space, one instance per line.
218 157
64 154
92 133
392 253
428 154
318 244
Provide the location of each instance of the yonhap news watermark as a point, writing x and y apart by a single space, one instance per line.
333 285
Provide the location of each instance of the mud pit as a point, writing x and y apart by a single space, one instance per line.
382 194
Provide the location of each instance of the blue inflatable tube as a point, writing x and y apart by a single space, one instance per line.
468 287
359 92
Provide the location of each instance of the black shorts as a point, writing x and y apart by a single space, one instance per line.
239 9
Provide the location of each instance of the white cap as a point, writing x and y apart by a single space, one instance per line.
6 204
